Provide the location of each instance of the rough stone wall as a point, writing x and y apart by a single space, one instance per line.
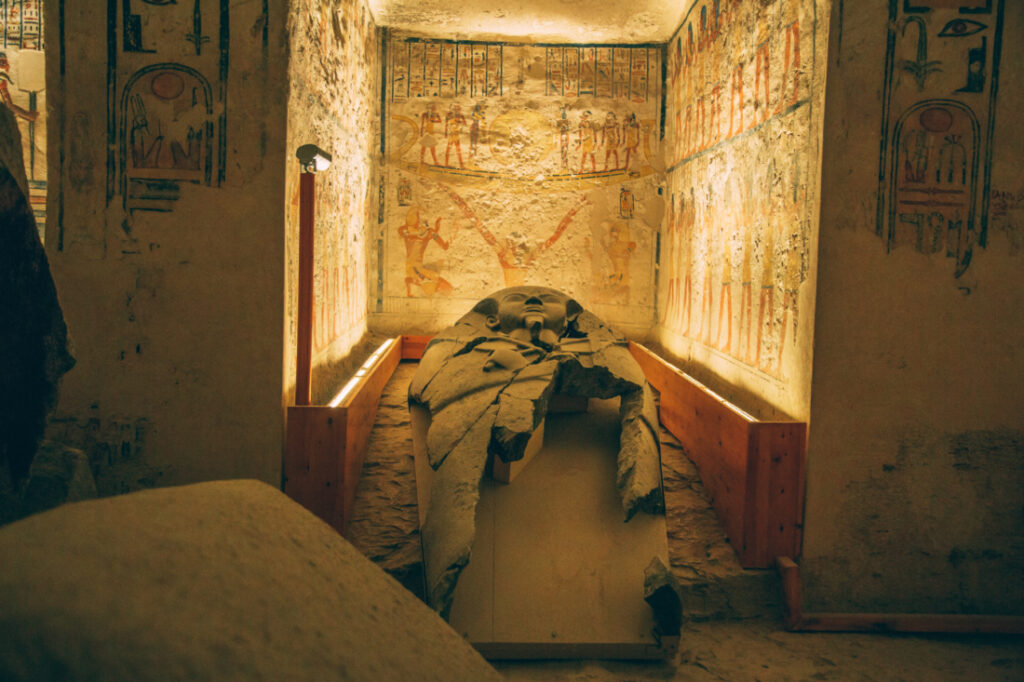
743 100
333 102
23 89
165 235
916 448
514 163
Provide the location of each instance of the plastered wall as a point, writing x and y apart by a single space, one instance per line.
23 89
916 460
333 102
744 89
165 235
512 163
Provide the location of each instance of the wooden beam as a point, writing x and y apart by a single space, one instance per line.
325 446
752 469
797 621
360 413
413 346
304 324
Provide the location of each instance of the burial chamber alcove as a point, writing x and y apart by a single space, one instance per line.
681 176
571 163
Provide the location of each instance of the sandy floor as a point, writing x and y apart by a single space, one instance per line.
761 650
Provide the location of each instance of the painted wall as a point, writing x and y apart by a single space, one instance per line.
333 102
512 163
23 89
736 286
916 457
165 235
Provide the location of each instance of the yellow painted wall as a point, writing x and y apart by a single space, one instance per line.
744 91
512 163
333 102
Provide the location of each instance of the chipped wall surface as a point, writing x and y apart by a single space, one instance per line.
514 163
916 447
23 89
333 102
743 101
165 235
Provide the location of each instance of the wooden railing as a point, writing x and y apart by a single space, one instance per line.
752 469
325 444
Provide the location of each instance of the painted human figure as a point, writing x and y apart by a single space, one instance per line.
706 294
6 82
619 249
476 127
418 236
610 139
428 139
454 121
486 382
630 139
563 139
587 141
725 298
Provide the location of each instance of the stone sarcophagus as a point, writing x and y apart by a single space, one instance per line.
487 383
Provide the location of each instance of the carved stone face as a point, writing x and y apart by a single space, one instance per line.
533 308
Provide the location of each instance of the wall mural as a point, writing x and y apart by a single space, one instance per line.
734 250
512 163
23 90
333 101
167 99
935 161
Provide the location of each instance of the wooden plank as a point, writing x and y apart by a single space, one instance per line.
752 470
304 324
911 622
325 446
314 460
773 507
360 413
413 346
798 621
717 442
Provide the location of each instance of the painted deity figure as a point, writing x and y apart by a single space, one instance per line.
6 82
428 141
630 139
563 139
417 236
454 121
587 141
478 117
486 382
610 139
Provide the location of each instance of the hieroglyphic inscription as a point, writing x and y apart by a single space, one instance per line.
935 160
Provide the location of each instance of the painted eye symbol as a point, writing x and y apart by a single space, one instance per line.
958 28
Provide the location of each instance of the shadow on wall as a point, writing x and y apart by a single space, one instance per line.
34 352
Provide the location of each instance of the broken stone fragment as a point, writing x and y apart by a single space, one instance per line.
663 593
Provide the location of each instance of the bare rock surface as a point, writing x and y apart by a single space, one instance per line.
228 580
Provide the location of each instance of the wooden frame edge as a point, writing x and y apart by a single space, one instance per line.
795 620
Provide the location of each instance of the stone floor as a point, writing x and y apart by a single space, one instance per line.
733 629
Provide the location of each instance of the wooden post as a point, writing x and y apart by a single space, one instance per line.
304 349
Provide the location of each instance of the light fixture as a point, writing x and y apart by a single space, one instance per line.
312 158
360 373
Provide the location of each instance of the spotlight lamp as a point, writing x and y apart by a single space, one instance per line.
312 158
